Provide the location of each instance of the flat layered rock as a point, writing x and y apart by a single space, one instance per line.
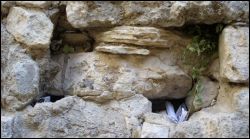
141 36
234 54
120 49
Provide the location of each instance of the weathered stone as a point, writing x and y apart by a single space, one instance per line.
121 49
241 101
103 77
233 98
20 79
6 37
198 100
206 124
156 126
136 106
229 117
35 4
104 13
30 27
6 126
234 54
214 70
59 120
142 36
154 131
155 13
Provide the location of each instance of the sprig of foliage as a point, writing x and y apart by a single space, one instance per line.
67 49
198 54
203 45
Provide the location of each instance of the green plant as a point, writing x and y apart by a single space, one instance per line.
198 54
202 47
68 49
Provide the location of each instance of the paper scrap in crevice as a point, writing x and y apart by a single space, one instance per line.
179 116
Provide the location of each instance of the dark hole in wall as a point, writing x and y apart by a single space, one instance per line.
160 104
77 40
52 98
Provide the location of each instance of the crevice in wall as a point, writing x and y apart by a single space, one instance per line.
159 105
47 98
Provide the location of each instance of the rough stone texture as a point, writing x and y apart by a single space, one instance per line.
103 77
121 49
96 13
156 126
228 118
209 92
214 70
234 54
59 119
219 125
19 74
154 131
232 95
120 82
30 27
20 79
34 4
142 36
6 126
155 13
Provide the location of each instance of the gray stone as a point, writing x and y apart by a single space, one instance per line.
198 100
20 79
101 77
30 27
59 120
155 13
6 126
234 54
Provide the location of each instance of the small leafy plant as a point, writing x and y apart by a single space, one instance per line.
202 47
67 49
199 53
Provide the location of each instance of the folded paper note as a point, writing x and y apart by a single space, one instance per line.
180 115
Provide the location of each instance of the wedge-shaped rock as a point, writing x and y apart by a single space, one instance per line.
30 27
142 36
234 54
121 49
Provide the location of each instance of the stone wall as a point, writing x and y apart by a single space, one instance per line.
107 59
